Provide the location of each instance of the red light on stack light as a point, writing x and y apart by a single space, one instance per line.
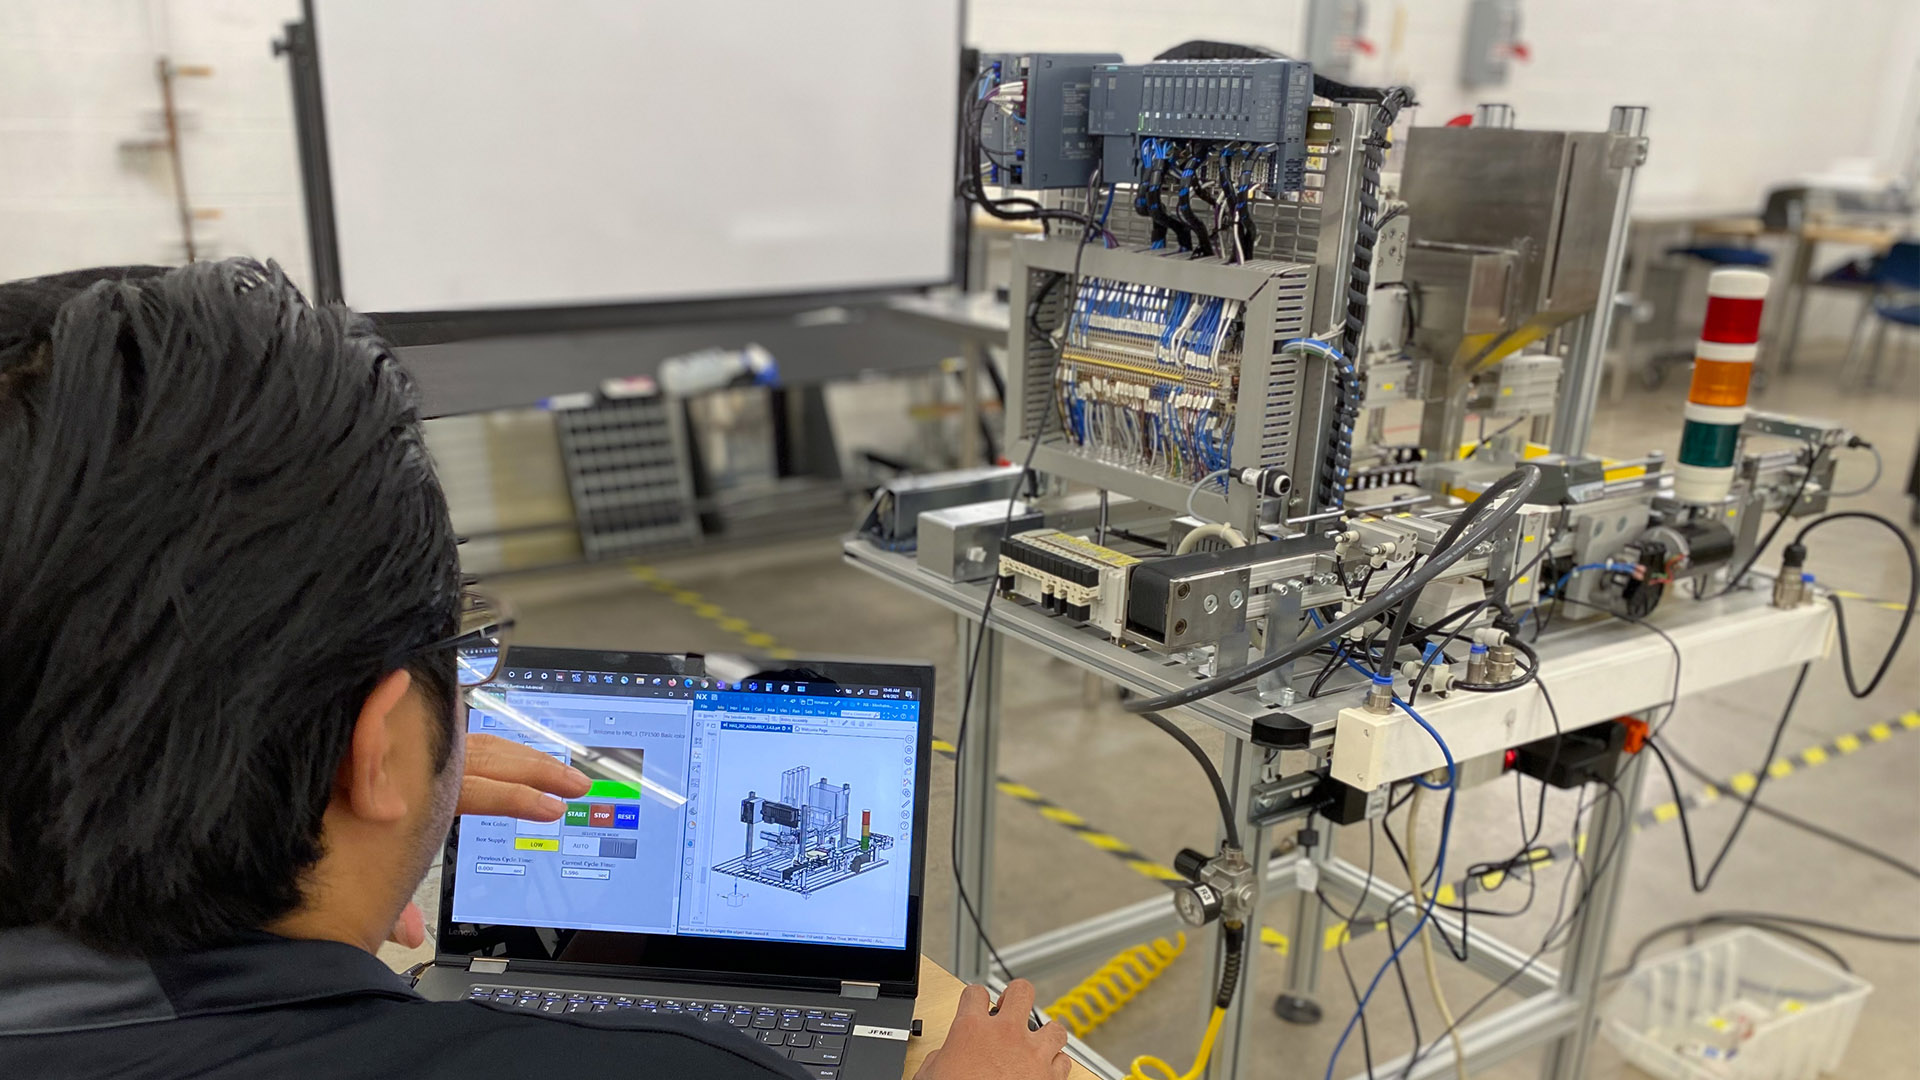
1512 759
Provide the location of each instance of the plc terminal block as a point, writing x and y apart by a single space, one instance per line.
1069 576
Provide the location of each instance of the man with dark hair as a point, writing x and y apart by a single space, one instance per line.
229 716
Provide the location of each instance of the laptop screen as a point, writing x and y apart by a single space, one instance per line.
727 802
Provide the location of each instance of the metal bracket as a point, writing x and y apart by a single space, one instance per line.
1627 153
1279 800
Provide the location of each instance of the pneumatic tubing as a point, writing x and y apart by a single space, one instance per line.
1516 485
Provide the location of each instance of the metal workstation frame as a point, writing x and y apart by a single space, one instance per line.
1722 641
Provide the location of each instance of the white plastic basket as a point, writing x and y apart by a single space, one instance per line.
1741 1006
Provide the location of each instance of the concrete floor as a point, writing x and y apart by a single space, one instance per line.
1130 780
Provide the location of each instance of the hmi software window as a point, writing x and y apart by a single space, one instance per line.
781 812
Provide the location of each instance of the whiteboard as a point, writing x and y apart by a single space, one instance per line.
503 154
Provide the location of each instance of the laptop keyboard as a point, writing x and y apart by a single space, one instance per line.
815 1038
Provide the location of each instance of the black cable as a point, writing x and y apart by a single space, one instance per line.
1821 831
986 611
1773 923
1484 522
1786 512
1839 612
1864 933
1353 987
1690 925
974 191
1143 540
1206 765
1521 860
1701 884
1499 431
1546 942
1673 700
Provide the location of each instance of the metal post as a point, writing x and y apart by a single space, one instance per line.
1297 1005
1566 1057
1640 247
1795 305
973 799
974 358
310 137
1587 364
1234 1054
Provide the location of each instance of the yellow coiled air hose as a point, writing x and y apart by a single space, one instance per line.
1235 938
1119 980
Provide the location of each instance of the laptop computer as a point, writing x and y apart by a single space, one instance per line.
751 852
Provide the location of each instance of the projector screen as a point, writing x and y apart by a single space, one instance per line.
517 154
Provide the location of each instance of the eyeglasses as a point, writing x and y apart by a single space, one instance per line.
480 648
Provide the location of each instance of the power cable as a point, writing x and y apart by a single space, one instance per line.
1206 764
1796 553
1547 942
1824 833
1701 884
1733 582
986 612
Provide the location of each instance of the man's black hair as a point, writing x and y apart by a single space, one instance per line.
219 528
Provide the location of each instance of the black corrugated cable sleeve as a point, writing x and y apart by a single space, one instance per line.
1233 940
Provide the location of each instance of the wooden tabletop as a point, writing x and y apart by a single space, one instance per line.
939 996
1874 236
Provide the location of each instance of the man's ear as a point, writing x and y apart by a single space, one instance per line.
369 780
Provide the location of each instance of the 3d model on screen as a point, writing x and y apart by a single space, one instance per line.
801 842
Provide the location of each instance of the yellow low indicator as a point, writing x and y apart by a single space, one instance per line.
537 843
1338 934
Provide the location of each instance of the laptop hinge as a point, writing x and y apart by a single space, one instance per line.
868 990
483 966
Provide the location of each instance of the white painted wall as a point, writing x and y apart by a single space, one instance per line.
1744 93
78 85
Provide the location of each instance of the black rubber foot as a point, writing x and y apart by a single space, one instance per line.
1296 1010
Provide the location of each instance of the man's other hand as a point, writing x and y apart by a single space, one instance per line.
503 779
509 779
987 1044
